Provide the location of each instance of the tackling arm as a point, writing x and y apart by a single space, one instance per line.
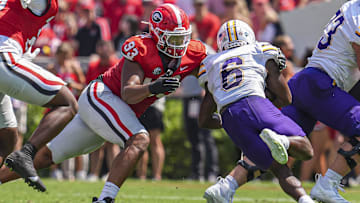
132 89
207 117
276 83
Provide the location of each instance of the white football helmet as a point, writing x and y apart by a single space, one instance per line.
234 33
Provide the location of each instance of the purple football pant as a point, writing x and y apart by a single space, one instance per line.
246 118
316 97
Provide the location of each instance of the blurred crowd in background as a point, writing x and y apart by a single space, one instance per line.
96 30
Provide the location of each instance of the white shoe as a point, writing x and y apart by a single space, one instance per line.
81 175
278 150
57 175
326 190
354 182
92 178
219 192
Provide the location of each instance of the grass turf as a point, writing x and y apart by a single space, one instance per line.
147 192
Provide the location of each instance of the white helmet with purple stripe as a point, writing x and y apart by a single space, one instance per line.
234 33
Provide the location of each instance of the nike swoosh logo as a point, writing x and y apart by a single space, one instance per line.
183 68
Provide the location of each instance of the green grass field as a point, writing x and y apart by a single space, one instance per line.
147 191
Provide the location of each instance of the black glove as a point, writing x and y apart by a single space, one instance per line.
282 60
163 85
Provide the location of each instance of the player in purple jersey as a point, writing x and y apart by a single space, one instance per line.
235 81
322 92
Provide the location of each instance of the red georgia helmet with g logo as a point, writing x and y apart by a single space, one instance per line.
170 28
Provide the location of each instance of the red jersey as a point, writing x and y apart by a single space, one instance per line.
21 24
142 49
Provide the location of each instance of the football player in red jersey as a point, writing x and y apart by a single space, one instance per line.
20 24
153 66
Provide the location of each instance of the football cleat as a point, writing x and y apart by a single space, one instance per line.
105 200
219 192
278 150
327 191
23 165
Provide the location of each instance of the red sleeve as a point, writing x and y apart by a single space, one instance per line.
134 49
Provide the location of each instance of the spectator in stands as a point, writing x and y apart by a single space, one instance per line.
114 10
59 23
217 7
236 9
149 6
264 20
105 58
128 26
288 5
90 33
204 153
187 6
284 42
321 141
207 23
152 119
68 68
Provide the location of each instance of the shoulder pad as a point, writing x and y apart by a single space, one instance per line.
135 47
196 48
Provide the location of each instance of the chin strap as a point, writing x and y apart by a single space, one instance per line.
169 66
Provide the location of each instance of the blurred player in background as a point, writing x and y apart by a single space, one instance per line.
20 24
320 93
153 66
235 81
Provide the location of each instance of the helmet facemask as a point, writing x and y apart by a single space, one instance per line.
234 33
172 43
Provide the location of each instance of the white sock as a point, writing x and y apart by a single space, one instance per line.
332 175
285 141
232 182
0 182
109 190
305 199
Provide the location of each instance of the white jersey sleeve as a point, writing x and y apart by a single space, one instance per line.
269 52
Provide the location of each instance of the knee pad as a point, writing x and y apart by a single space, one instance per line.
253 171
348 154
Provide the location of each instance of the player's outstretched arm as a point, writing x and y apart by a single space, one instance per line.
276 83
132 89
207 116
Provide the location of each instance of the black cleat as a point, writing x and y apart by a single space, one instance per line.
23 165
105 200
